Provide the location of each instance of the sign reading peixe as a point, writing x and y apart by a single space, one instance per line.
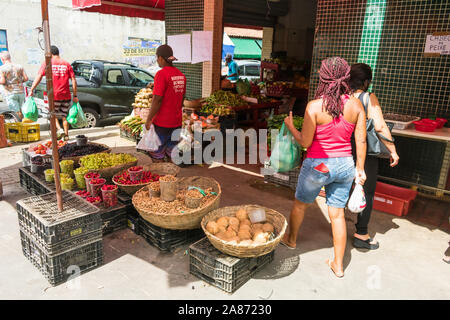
437 44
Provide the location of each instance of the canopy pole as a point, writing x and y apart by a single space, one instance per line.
49 78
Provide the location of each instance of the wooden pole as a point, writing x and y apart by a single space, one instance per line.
49 78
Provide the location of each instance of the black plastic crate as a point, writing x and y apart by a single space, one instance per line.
223 271
133 223
58 268
61 246
29 184
165 239
114 219
288 179
32 183
132 214
40 216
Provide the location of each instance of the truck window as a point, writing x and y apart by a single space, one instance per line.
241 70
115 77
252 70
139 78
83 70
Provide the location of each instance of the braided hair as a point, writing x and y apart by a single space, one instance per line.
334 75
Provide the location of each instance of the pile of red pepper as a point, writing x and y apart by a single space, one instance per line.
108 187
92 175
94 199
124 178
97 181
83 193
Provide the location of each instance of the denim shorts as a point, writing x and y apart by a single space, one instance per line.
337 181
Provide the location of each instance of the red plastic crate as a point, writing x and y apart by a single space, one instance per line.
392 199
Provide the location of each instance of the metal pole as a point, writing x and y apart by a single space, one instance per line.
49 78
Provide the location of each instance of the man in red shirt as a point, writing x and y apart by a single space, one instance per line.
62 72
167 103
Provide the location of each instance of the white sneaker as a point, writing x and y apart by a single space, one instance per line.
59 134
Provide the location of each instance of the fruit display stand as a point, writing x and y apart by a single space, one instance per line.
223 271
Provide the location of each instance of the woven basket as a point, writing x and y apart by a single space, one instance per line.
191 218
77 159
275 218
161 169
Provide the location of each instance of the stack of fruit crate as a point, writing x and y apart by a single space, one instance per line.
60 244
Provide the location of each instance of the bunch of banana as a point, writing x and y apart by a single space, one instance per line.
132 125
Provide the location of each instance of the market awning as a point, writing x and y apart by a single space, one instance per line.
149 9
246 48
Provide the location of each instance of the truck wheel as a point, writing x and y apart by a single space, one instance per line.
92 117
11 117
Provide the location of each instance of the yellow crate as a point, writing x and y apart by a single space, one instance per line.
23 132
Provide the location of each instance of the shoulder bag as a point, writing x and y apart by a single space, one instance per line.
375 145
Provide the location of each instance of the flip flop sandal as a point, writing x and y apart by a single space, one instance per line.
446 261
365 244
339 276
286 245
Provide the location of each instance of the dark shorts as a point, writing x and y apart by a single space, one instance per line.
62 108
167 144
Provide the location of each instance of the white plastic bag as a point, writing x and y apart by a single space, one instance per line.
357 201
186 140
150 140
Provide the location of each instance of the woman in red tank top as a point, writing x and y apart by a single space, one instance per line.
328 125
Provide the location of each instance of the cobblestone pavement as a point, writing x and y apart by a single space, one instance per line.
408 264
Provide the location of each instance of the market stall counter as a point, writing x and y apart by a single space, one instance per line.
424 160
255 110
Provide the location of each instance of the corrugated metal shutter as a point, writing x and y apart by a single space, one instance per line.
184 16
261 13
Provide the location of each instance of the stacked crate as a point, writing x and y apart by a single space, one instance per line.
166 239
60 243
223 271
114 218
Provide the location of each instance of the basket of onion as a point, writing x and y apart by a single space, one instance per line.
231 231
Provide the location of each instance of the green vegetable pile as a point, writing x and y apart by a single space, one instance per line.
226 98
219 103
243 87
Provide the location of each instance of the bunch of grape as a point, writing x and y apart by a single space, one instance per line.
105 160
72 150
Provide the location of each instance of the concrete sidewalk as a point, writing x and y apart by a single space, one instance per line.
408 264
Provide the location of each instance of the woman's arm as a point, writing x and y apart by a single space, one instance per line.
305 137
374 112
361 145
